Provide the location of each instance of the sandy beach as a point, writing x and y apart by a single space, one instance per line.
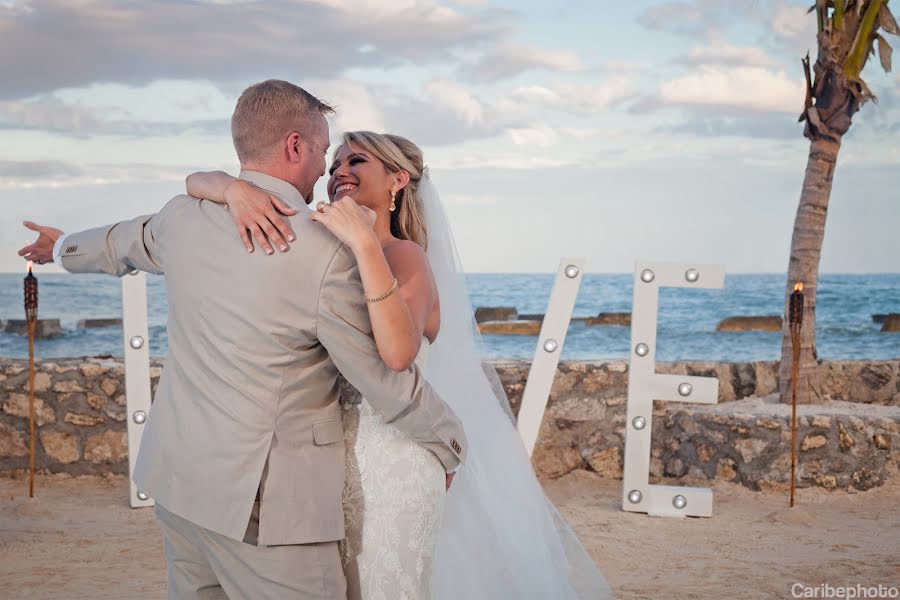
79 539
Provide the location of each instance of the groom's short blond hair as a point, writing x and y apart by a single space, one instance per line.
268 111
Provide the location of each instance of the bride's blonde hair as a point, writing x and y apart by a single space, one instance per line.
398 154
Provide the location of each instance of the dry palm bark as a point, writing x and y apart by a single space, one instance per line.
849 31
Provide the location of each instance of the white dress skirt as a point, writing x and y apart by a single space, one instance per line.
393 504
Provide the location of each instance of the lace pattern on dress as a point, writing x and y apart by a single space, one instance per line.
393 506
348 395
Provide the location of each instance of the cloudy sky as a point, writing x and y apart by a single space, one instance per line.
607 130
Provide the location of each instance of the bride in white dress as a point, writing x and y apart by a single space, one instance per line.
494 534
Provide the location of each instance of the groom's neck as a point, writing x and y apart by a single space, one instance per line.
276 171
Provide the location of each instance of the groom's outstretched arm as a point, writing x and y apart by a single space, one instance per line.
404 398
117 249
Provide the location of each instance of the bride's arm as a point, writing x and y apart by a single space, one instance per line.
209 184
254 211
398 321
399 317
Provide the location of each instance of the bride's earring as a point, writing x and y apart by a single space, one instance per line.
393 205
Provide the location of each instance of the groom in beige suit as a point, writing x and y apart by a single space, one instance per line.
243 448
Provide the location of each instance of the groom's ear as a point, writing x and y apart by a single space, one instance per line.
295 147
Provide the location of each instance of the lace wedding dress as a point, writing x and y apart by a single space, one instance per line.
393 504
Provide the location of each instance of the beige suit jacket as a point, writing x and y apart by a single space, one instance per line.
248 398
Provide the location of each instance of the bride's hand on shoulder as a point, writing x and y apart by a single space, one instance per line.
259 214
351 223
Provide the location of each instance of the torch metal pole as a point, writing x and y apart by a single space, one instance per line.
795 323
31 332
795 343
31 307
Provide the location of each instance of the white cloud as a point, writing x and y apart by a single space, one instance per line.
48 114
469 200
26 175
368 9
579 99
693 17
125 111
69 44
542 136
790 22
456 99
721 52
508 61
357 107
742 88
495 160
440 113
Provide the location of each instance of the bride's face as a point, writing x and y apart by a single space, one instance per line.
360 175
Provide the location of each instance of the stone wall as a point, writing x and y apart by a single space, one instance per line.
851 439
867 382
79 415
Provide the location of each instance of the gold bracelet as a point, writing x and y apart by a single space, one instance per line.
384 295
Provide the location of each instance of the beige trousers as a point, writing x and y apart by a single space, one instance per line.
204 565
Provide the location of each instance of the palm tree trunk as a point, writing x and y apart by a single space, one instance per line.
806 250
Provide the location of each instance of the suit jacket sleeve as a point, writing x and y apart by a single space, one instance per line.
118 249
404 399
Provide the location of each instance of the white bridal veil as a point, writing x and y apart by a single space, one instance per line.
501 537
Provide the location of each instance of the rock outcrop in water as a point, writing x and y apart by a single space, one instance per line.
891 323
616 319
750 324
484 314
44 329
511 327
96 323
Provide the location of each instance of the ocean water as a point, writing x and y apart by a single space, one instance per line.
686 325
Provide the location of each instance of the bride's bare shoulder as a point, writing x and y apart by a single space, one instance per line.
406 259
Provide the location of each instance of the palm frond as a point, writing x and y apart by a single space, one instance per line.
887 21
884 53
862 43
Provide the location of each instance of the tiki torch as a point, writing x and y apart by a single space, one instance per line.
31 307
795 322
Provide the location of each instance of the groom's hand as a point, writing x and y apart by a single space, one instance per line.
450 477
41 251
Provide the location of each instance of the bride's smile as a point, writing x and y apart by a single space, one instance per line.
361 176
